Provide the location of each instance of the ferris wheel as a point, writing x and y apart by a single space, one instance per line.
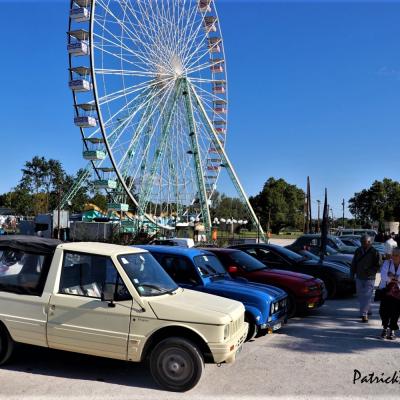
151 100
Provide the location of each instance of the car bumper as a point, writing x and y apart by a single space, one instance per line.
273 326
312 302
227 352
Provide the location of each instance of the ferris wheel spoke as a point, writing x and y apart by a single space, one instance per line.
146 117
132 34
126 123
165 97
117 42
119 57
146 28
144 195
129 90
127 72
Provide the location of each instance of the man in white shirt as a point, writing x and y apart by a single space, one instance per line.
390 244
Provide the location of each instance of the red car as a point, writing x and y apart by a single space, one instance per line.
304 291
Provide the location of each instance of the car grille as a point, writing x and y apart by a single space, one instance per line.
281 306
236 325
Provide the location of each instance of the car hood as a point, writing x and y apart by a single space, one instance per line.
191 306
246 292
280 273
346 258
338 267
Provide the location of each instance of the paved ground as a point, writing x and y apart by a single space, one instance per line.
312 357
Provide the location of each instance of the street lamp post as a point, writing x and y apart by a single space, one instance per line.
343 204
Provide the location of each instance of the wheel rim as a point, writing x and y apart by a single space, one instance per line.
176 365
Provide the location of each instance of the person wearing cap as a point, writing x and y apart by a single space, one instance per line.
390 244
365 264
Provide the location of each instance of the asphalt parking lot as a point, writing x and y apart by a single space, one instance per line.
313 357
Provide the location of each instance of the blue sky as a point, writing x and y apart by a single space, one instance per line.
314 90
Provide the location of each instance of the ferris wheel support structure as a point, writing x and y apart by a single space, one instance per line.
205 209
227 164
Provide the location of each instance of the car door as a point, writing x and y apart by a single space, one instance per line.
78 320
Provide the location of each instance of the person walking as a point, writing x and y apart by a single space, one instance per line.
365 264
389 309
390 244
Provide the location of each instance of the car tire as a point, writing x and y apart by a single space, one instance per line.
6 345
331 287
176 364
253 328
292 306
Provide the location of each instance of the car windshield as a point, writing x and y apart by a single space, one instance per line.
330 250
146 274
308 254
338 242
246 261
209 265
288 254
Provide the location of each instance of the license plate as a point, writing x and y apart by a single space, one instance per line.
277 326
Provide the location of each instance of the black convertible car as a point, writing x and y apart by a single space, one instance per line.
336 277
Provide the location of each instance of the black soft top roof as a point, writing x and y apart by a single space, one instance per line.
30 244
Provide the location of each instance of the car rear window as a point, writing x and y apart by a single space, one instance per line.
23 272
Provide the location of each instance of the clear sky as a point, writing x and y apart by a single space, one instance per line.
314 90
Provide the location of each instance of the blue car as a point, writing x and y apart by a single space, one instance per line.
200 270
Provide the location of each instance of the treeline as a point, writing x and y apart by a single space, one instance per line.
279 204
42 185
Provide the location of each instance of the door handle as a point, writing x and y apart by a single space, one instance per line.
52 309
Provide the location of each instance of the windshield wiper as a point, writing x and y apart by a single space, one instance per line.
161 290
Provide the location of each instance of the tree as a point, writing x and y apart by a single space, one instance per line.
380 202
283 202
223 206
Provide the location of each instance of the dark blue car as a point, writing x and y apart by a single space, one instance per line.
202 271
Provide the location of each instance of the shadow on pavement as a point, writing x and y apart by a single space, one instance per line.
47 362
336 328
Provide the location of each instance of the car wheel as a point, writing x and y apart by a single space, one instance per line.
253 328
6 345
291 306
331 287
176 364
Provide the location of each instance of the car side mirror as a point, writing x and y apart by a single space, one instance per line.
108 294
232 269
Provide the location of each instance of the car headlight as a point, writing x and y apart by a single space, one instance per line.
226 332
276 307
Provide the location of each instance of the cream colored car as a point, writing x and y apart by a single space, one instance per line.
112 301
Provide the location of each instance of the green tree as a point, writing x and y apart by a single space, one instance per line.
223 206
280 201
380 202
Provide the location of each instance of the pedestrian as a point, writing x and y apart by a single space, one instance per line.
379 237
390 244
365 265
389 309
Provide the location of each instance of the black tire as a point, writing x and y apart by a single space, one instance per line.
253 328
331 287
6 345
176 364
291 306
